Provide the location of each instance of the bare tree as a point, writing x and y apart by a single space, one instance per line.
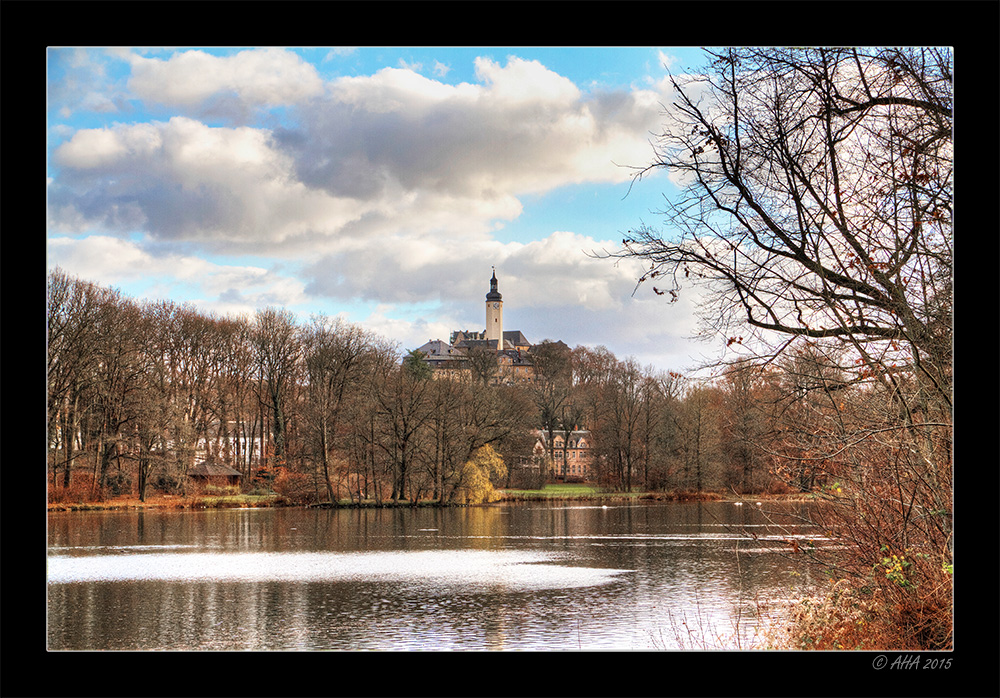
819 197
404 407
746 423
277 352
72 306
119 381
483 364
552 386
336 355
237 405
620 440
818 209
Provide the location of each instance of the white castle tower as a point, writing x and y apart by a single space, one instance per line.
494 314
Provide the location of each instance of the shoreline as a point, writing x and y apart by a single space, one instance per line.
203 502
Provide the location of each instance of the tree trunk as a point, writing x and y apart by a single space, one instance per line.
325 461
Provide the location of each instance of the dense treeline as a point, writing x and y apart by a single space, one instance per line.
327 411
317 411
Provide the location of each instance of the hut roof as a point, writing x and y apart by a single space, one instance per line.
213 470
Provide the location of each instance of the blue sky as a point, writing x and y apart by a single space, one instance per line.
377 183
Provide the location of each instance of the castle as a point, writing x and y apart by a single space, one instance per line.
504 356
510 348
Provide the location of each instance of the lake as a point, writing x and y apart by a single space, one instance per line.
519 576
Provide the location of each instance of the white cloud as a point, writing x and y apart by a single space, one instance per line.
388 188
99 258
80 82
339 52
91 148
415 67
523 130
666 60
397 89
524 82
220 288
183 180
259 77
555 271
381 155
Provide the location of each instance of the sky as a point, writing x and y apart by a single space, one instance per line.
380 184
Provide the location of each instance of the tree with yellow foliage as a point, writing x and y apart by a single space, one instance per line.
475 480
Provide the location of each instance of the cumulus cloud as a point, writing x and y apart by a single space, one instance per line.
388 189
256 78
376 155
183 180
555 271
522 130
523 82
99 258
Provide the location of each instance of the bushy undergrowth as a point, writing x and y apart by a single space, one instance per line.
295 487
80 491
879 614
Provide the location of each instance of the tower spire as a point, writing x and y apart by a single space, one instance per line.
494 313
494 294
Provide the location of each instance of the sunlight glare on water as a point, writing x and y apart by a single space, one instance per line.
512 569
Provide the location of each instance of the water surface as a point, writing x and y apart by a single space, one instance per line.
529 576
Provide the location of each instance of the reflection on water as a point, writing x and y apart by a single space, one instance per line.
527 576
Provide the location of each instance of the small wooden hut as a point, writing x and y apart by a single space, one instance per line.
214 473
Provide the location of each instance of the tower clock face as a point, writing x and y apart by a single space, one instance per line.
496 305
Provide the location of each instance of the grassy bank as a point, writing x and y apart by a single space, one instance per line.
225 501
551 492
585 491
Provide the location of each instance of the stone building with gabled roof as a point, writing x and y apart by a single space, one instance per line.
515 339
440 354
571 454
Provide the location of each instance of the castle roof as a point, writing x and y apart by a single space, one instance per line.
493 295
440 354
516 357
576 436
516 338
476 344
436 347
